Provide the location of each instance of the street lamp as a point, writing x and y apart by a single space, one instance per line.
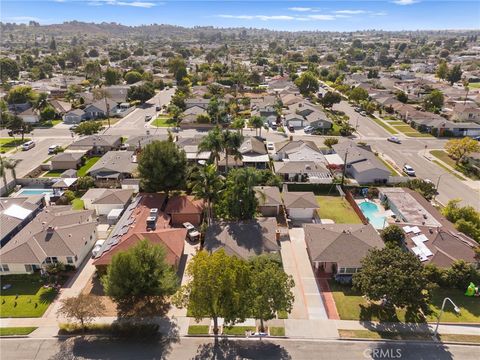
455 307
436 186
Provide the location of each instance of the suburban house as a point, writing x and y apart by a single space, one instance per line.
300 150
67 160
200 102
318 120
74 116
362 164
61 107
139 142
184 208
100 109
16 212
56 234
103 201
253 152
243 239
428 234
143 219
301 206
465 113
338 249
269 200
29 116
294 120
114 165
190 146
302 171
97 144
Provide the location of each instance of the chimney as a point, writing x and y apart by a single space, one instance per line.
50 229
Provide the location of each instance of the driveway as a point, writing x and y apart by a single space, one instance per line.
308 301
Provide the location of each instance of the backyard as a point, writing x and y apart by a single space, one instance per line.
337 209
353 306
26 297
7 144
88 164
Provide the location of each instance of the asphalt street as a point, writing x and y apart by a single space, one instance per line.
199 348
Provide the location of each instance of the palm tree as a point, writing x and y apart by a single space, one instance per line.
466 86
206 184
11 164
256 122
213 142
231 143
3 172
238 124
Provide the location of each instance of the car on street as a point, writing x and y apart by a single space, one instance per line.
158 108
308 128
357 109
394 139
52 149
192 232
28 145
270 146
407 169
148 118
363 113
97 247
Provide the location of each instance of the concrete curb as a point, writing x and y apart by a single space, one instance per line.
411 341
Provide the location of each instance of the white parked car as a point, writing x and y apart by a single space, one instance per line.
407 169
192 233
308 129
270 146
394 139
28 145
97 247
53 149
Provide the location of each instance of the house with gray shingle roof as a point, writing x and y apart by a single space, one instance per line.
56 234
105 200
269 200
114 165
300 206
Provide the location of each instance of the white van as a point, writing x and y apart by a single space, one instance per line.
28 145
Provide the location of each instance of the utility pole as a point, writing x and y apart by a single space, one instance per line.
107 106
344 166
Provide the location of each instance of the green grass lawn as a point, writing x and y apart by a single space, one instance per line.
395 122
384 125
9 331
352 306
460 338
238 330
418 134
32 301
88 164
277 331
442 155
198 330
474 85
404 128
337 209
377 335
77 204
282 314
7 144
163 121
393 172
53 173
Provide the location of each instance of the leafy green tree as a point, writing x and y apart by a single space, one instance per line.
11 164
85 182
141 93
88 128
238 200
330 98
8 69
132 77
358 94
402 97
424 188
139 280
17 125
238 124
329 142
218 287
213 143
270 289
21 94
178 67
206 184
93 70
112 76
455 74
75 56
162 167
48 113
460 274
459 148
392 235
307 83
442 70
53 44
465 218
433 101
257 122
394 275
83 308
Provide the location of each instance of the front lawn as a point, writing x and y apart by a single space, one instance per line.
238 330
53 173
26 297
377 335
352 306
7 144
277 331
198 330
442 155
163 121
384 125
88 164
337 209
77 204
10 331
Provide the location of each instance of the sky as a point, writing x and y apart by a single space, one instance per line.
273 14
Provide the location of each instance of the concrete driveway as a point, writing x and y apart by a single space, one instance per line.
308 301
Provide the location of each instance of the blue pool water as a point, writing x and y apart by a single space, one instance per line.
26 192
371 211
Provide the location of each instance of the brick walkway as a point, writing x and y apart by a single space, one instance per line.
327 297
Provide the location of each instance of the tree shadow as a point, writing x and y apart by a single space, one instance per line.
225 349
403 350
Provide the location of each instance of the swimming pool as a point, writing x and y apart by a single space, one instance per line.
27 192
371 211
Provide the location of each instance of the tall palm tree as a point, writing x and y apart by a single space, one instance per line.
232 142
257 122
238 124
213 142
11 164
206 184
466 86
3 172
